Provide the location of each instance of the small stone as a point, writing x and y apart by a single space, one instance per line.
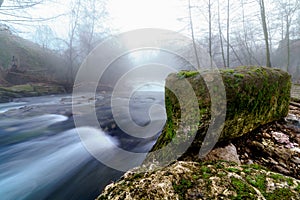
280 137
227 153
283 164
266 135
257 145
282 170
296 160
289 146
273 161
250 162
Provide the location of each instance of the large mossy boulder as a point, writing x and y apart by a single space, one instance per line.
253 96
193 180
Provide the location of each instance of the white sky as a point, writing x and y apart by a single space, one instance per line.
123 15
134 14
126 15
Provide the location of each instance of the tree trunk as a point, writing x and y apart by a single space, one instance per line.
210 33
221 38
287 37
228 40
193 36
265 30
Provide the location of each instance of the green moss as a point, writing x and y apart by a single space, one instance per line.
242 189
277 177
187 74
247 171
182 187
237 75
231 71
280 193
298 188
256 166
231 169
260 182
22 88
196 177
205 169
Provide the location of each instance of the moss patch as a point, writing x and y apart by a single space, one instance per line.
28 90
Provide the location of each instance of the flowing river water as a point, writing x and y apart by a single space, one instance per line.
42 156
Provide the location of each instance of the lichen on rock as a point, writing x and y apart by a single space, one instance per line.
209 180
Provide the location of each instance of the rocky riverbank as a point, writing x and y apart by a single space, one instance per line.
263 164
7 94
275 145
260 164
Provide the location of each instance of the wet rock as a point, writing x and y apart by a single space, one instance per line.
227 153
212 180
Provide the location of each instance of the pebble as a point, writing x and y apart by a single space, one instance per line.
283 164
266 135
296 160
258 145
273 161
250 162
282 170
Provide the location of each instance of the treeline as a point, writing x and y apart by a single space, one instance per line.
247 32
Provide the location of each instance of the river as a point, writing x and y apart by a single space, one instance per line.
42 156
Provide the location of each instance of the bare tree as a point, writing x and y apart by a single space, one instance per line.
84 32
228 32
287 10
192 33
71 53
221 35
210 31
44 36
91 29
16 11
265 30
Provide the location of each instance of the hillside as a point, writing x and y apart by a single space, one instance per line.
22 61
26 69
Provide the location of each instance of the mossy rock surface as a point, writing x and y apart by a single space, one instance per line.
28 90
193 180
254 96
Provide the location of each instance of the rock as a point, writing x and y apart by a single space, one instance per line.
281 137
29 90
250 162
280 153
227 153
254 96
266 135
282 170
210 180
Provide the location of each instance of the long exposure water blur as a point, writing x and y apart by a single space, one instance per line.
41 154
